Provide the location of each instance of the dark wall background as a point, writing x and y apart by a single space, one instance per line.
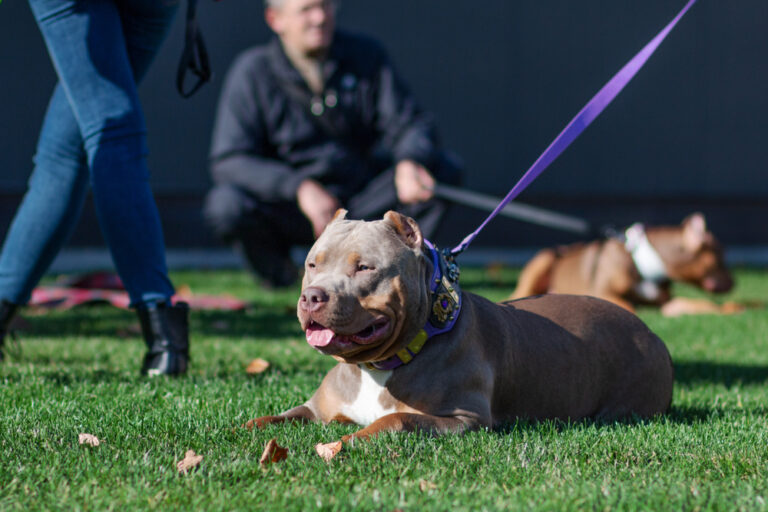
503 78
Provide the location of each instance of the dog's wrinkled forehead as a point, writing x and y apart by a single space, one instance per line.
374 241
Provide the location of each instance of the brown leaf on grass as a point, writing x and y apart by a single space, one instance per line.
273 452
184 291
257 366
89 439
426 485
191 460
328 450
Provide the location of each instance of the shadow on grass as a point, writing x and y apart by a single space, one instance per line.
682 415
274 322
728 374
692 415
71 376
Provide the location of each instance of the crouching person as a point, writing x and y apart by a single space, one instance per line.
315 120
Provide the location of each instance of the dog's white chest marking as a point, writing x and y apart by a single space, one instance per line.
366 407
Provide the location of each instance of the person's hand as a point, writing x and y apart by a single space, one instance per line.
413 182
317 205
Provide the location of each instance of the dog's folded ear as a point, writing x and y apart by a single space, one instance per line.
694 231
406 228
340 214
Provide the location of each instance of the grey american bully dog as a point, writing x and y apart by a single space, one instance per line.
376 297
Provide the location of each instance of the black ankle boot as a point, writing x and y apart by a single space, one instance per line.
166 332
7 310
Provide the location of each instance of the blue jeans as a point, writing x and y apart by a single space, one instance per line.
93 133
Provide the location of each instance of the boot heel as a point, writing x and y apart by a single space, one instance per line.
166 333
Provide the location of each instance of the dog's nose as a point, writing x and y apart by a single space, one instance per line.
313 298
718 284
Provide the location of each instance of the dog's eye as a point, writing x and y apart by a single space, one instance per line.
311 265
362 267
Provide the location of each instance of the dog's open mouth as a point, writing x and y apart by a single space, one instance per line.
319 336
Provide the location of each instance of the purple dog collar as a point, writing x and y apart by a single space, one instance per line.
446 305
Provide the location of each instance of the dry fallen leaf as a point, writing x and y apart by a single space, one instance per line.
273 452
89 439
328 450
191 460
256 366
426 485
184 291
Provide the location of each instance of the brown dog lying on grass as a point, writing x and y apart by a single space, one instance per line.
377 298
636 270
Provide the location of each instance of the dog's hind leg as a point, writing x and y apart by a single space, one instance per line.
535 276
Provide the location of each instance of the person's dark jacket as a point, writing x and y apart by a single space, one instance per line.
267 139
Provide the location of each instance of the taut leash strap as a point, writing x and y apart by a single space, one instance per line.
579 123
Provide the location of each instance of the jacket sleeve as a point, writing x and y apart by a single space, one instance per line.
406 131
240 145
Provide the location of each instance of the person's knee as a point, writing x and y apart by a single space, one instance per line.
224 211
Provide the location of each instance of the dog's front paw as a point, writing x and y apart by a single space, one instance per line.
328 450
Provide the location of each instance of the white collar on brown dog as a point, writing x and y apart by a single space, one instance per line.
647 260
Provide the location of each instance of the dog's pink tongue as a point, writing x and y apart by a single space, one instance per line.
319 337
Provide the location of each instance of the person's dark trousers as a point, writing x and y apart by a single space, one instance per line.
264 232
261 232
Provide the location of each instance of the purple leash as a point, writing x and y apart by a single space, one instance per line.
445 278
579 123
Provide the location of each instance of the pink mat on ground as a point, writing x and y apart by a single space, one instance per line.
106 287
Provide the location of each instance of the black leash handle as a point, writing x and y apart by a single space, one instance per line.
518 211
194 57
526 213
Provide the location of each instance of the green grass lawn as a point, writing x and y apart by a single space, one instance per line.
78 372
